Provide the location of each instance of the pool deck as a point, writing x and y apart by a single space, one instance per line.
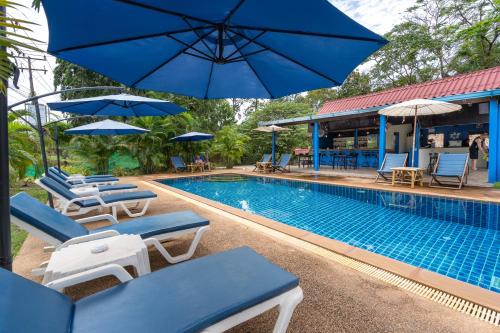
337 298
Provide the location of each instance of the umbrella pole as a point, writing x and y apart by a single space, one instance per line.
414 137
57 149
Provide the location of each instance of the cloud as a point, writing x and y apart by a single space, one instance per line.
377 15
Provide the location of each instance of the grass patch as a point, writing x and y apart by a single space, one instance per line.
496 186
17 235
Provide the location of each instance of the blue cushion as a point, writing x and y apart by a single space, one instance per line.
58 188
51 174
158 224
111 198
101 179
105 188
42 217
28 307
186 297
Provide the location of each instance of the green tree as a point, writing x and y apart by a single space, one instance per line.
97 150
22 148
229 145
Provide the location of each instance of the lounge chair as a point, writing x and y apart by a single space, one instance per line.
82 180
178 163
80 176
60 231
450 171
390 161
283 164
101 189
72 204
208 294
260 165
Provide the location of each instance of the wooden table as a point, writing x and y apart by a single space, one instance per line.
408 175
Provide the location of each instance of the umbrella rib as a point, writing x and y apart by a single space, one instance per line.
291 59
202 40
191 46
240 58
251 67
162 10
234 10
128 39
245 45
209 79
99 109
318 34
197 56
168 60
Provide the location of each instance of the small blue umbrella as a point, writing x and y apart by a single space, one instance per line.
118 105
106 127
193 136
211 49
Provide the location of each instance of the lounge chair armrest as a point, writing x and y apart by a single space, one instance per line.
90 197
111 269
88 238
76 177
101 217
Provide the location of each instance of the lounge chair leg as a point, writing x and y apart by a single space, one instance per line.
142 212
286 309
173 260
114 212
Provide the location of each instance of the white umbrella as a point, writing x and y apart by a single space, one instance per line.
270 129
418 107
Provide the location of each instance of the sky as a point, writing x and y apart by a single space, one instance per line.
377 15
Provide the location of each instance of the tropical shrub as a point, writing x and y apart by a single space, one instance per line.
97 150
229 145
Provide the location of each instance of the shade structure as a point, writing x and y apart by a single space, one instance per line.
118 105
211 49
193 136
106 127
272 129
418 107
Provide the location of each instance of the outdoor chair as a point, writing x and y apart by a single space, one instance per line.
260 165
209 294
450 171
84 181
72 204
60 231
283 164
101 189
80 176
178 163
390 161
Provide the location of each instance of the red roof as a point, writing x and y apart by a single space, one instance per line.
483 80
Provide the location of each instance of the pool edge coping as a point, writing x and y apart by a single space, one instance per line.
423 276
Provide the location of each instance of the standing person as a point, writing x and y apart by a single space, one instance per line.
476 146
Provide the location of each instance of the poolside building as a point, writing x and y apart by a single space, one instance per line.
352 127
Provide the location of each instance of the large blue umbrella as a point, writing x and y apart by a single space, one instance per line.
193 136
211 49
106 127
118 105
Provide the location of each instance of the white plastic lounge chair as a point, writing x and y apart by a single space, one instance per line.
390 161
80 176
60 231
209 294
82 180
450 171
101 189
71 204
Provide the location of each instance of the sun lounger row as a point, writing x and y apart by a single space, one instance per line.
450 170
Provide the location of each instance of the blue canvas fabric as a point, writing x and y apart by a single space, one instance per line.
393 161
284 160
118 105
186 297
106 127
450 165
193 136
178 162
150 226
44 218
212 49
29 307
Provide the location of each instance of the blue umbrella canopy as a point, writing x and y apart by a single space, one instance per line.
193 136
106 127
211 49
118 105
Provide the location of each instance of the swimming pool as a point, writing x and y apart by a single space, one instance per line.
456 238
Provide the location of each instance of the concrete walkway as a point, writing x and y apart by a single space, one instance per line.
337 298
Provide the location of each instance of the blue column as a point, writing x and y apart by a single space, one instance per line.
274 149
417 145
494 133
315 138
355 138
381 140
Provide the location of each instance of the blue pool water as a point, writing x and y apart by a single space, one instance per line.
456 238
